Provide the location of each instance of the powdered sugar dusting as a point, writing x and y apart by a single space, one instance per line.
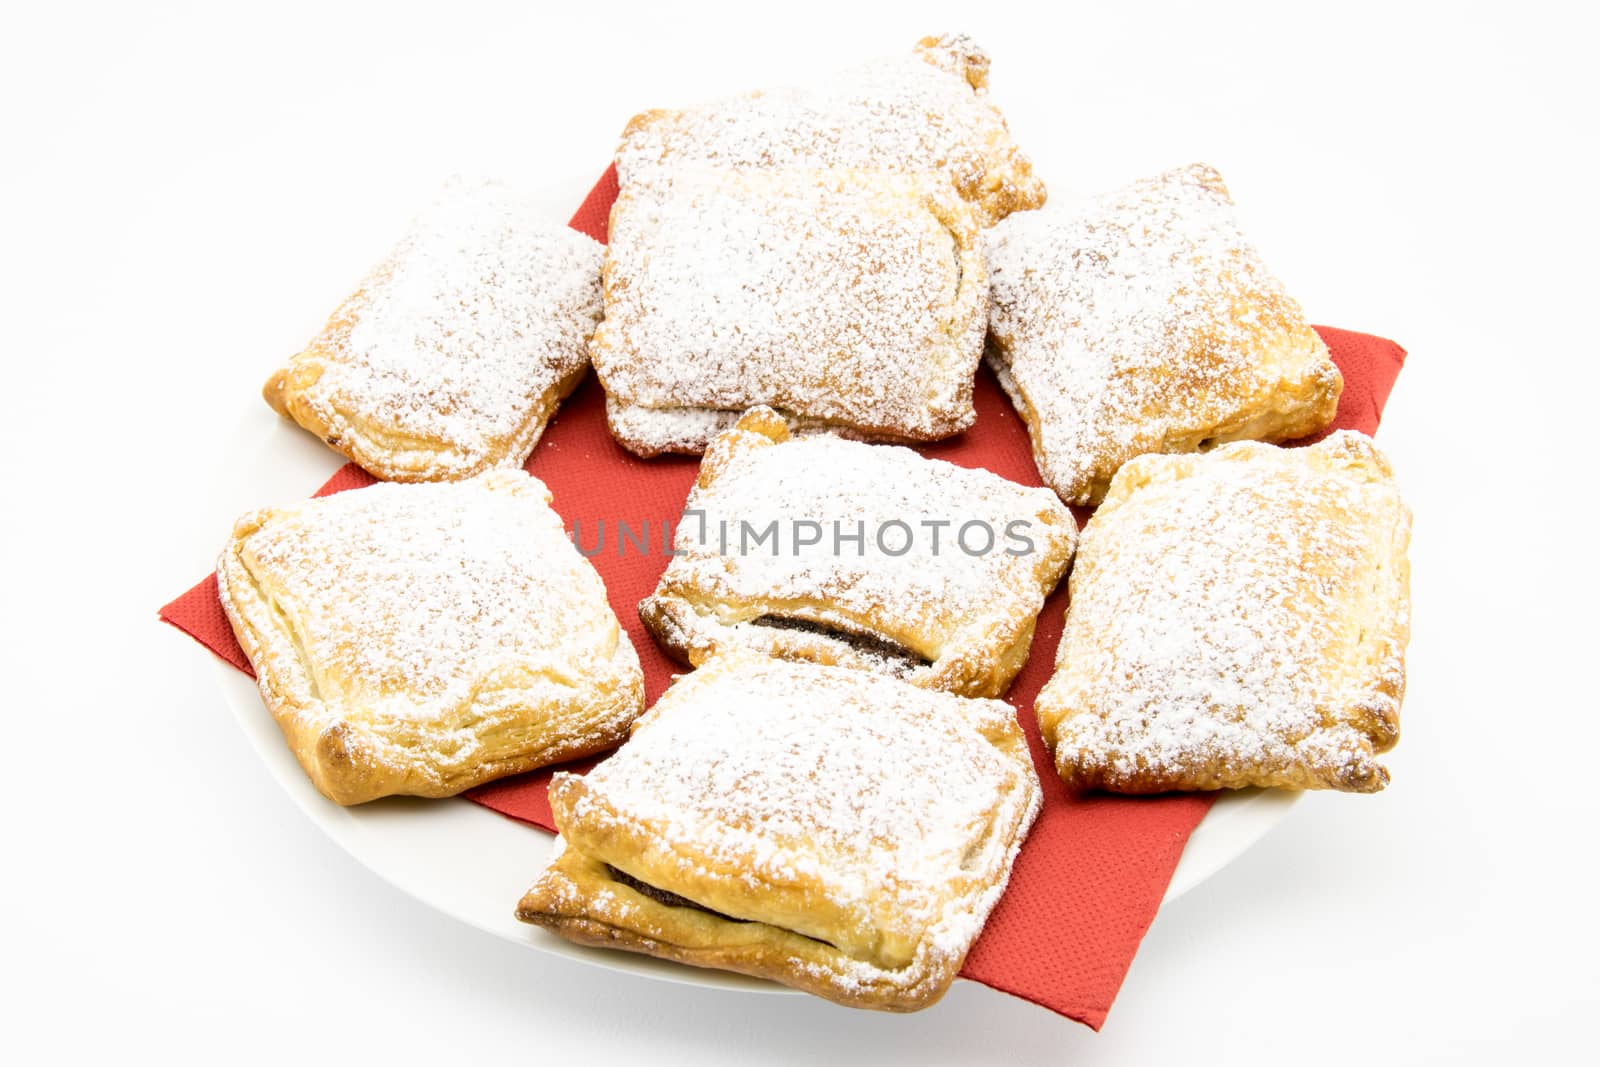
842 298
404 599
937 554
928 110
1227 623
1143 321
667 429
899 805
456 340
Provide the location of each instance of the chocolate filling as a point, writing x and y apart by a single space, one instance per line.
901 660
661 896
673 900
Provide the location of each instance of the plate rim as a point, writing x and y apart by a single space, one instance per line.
1233 825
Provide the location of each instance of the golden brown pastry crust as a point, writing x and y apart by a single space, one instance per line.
784 820
936 616
928 110
1144 321
455 352
846 300
1236 619
423 639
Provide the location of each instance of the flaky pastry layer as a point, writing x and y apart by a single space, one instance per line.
455 352
839 832
1143 321
847 300
928 110
870 556
1237 618
423 639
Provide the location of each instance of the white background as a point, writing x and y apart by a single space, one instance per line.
187 192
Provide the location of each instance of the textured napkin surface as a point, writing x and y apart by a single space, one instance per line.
1092 874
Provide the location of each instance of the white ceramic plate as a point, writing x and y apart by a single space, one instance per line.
474 864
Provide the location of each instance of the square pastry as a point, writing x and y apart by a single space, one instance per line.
845 299
927 110
867 556
833 830
423 639
1143 321
1236 619
456 350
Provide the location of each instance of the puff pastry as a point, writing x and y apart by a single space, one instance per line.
456 350
1236 619
847 300
422 639
928 110
837 831
868 556
1143 321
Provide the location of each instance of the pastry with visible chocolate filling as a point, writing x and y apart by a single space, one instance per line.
867 556
838 831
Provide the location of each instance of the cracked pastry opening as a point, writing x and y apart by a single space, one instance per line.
895 658
813 803
672 900
663 896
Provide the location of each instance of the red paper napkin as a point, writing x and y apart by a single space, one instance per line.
1092 874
